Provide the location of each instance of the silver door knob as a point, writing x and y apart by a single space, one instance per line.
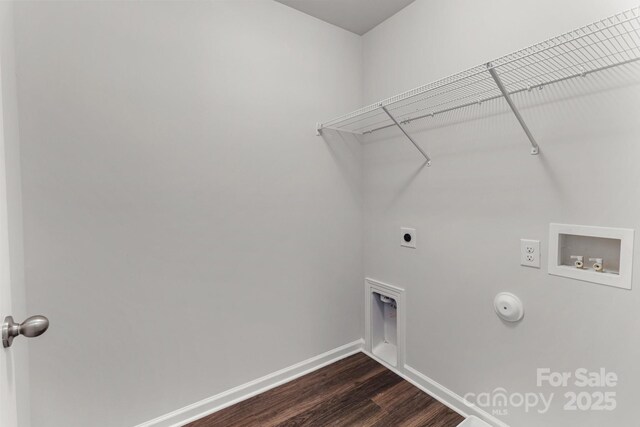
34 326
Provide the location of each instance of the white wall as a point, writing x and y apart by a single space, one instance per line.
185 230
484 192
14 373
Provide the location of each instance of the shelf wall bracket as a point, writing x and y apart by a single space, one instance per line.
406 134
535 149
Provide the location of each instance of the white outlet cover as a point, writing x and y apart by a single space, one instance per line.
413 237
530 253
508 307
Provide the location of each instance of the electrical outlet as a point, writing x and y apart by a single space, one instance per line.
408 237
530 253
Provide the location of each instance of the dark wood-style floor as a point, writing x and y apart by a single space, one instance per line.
356 391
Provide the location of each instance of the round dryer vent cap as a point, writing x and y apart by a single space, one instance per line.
508 307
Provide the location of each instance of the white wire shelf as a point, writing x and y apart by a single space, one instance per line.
611 42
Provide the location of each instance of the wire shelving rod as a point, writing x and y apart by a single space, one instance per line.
602 45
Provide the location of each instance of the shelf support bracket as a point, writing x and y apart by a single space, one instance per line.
406 134
535 149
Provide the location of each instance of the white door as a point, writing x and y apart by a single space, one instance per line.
14 370
8 388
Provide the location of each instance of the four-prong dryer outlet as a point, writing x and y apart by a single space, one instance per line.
408 237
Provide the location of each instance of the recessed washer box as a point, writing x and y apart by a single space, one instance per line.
385 323
613 246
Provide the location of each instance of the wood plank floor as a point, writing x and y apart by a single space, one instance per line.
356 391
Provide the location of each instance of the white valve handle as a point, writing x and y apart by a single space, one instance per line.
598 265
579 263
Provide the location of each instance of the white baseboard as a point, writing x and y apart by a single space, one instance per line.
441 393
448 397
230 397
